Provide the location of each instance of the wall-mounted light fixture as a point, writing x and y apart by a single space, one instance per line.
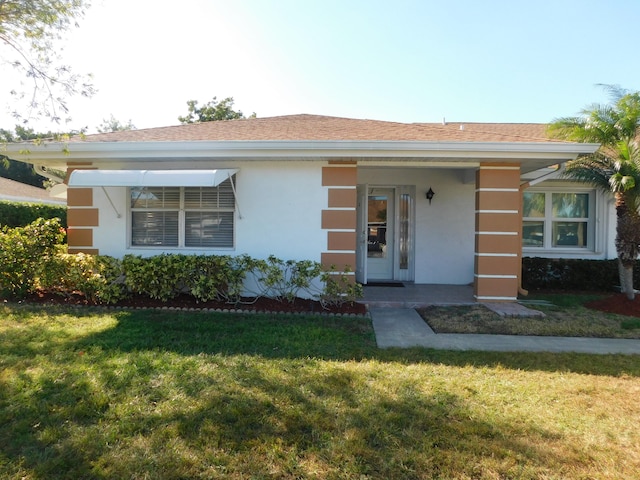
430 194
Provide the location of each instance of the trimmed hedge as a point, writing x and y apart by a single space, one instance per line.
25 253
572 274
21 214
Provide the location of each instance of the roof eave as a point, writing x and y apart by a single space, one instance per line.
311 149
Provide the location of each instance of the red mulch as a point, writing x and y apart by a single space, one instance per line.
299 305
617 303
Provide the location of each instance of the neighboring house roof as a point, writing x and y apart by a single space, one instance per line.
317 127
21 192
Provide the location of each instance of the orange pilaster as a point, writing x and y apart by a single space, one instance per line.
339 217
498 224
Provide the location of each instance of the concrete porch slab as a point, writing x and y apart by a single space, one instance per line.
417 296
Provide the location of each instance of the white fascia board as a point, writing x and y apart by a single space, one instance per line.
268 150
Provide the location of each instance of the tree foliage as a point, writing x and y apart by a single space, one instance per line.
614 168
20 171
212 111
28 32
112 124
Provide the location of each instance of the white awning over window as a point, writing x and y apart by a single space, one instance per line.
150 178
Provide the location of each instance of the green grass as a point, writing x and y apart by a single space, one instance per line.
167 395
565 315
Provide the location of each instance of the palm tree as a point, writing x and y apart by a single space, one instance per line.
614 168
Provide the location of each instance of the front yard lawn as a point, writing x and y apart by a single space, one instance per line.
97 394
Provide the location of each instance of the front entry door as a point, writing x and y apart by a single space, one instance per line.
380 233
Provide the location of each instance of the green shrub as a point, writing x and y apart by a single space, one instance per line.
32 257
572 274
285 280
162 276
24 254
210 277
100 278
339 288
205 277
20 214
222 278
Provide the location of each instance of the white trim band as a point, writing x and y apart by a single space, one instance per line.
511 212
511 277
511 190
495 167
486 297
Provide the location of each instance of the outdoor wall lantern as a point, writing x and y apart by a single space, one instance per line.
430 194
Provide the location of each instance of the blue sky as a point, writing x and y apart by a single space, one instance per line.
400 60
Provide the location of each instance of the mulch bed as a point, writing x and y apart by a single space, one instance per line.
299 305
618 303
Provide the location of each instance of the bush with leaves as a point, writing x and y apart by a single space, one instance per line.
569 274
100 278
224 278
24 254
285 280
33 257
210 277
161 277
20 214
339 287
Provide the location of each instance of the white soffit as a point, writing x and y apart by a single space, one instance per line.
149 178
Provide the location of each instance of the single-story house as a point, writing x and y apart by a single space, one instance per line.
430 203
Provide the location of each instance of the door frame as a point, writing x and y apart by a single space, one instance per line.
400 192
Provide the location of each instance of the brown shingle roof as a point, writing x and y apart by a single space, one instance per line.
21 192
317 127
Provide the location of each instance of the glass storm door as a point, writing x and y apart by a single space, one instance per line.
380 233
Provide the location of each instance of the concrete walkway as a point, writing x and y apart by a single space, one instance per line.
403 328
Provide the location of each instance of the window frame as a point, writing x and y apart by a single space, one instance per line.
548 220
182 211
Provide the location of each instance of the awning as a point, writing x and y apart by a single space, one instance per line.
150 178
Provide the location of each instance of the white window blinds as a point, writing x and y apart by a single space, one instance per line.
190 217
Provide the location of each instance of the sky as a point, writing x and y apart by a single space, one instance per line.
394 60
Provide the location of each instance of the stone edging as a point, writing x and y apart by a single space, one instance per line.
201 310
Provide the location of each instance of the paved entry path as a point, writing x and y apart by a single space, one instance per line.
404 327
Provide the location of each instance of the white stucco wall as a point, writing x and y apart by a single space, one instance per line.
610 228
280 204
444 229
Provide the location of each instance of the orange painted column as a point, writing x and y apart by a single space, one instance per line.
82 216
339 218
498 225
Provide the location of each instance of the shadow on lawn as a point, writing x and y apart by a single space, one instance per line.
166 411
41 428
315 423
257 423
330 338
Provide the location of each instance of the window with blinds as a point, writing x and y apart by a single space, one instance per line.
190 217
